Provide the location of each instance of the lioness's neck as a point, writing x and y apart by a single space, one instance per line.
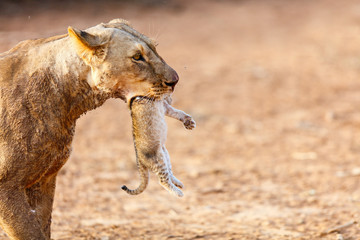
71 74
58 57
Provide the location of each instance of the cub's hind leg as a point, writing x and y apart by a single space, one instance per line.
165 176
173 179
41 197
17 218
166 182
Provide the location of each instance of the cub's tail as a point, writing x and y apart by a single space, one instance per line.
144 175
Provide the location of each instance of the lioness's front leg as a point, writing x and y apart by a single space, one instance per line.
16 216
41 198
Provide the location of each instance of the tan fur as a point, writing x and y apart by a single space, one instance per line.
149 132
45 86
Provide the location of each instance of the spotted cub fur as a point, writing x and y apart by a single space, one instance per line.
149 133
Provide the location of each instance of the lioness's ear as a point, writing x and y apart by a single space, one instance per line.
89 47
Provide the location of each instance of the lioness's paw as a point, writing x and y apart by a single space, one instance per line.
189 122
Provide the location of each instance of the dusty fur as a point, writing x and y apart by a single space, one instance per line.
45 86
149 133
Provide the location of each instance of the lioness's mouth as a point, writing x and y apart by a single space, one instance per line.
140 98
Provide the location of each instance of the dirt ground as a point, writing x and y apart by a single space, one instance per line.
274 87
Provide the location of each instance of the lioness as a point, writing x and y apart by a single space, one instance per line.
149 133
45 86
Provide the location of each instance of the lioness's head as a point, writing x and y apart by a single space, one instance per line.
123 61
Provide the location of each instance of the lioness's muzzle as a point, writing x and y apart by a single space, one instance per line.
171 82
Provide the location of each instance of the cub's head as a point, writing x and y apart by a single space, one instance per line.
123 62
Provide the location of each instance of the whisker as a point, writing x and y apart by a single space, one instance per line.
148 98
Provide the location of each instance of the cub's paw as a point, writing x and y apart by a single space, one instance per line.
177 182
177 192
171 188
189 122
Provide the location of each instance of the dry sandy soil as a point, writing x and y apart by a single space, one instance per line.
274 87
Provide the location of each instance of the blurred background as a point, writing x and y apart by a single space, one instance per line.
274 87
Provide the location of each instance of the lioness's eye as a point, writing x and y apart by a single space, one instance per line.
138 57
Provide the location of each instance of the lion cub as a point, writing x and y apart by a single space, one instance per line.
149 133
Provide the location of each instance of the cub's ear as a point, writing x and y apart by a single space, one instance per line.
89 47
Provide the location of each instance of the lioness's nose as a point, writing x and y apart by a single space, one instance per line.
174 80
